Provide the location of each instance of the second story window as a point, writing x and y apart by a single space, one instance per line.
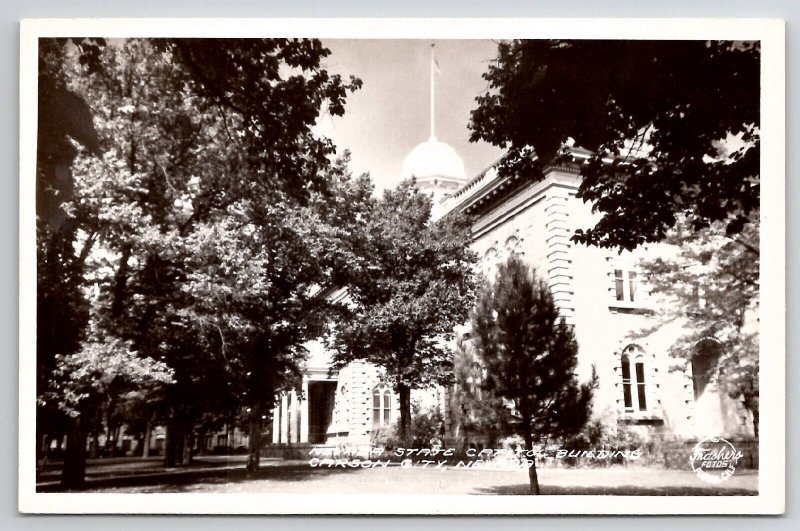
626 285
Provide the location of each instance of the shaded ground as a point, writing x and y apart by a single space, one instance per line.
136 471
299 477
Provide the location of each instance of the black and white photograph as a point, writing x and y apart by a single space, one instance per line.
471 268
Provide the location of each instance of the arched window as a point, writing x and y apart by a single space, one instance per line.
381 406
512 245
705 365
634 386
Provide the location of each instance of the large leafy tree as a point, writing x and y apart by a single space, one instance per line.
672 127
256 284
183 154
410 284
709 283
276 89
159 171
530 355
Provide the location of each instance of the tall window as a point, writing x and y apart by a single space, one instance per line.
381 406
634 387
625 285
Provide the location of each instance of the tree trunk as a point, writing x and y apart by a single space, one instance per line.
73 473
750 403
120 281
254 439
117 447
177 441
41 437
95 444
201 442
146 440
188 441
533 476
404 394
169 443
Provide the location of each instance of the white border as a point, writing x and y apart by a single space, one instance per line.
771 497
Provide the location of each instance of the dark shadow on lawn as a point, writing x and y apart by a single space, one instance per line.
619 490
185 480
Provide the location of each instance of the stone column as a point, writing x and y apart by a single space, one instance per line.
304 413
295 432
284 419
276 424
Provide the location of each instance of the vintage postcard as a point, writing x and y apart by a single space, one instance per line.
402 266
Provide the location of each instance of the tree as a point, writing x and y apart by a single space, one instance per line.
89 381
709 282
158 170
530 354
410 286
160 149
672 127
200 139
276 89
256 285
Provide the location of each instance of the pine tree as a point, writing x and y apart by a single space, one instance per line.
530 354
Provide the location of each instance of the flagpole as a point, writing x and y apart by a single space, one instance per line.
433 136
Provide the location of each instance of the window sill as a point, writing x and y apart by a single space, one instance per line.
629 307
643 419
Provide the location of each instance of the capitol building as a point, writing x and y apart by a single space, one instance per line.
598 291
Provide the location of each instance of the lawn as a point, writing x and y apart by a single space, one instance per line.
302 479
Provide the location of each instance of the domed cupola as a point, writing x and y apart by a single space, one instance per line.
435 165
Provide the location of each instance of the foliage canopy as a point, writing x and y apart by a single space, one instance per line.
672 128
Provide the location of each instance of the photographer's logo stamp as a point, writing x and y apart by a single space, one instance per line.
714 459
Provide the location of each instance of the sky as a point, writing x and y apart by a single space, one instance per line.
390 114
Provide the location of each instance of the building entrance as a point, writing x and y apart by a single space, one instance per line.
321 397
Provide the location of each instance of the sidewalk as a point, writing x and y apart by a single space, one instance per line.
126 471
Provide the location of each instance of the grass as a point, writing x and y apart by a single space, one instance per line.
301 478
